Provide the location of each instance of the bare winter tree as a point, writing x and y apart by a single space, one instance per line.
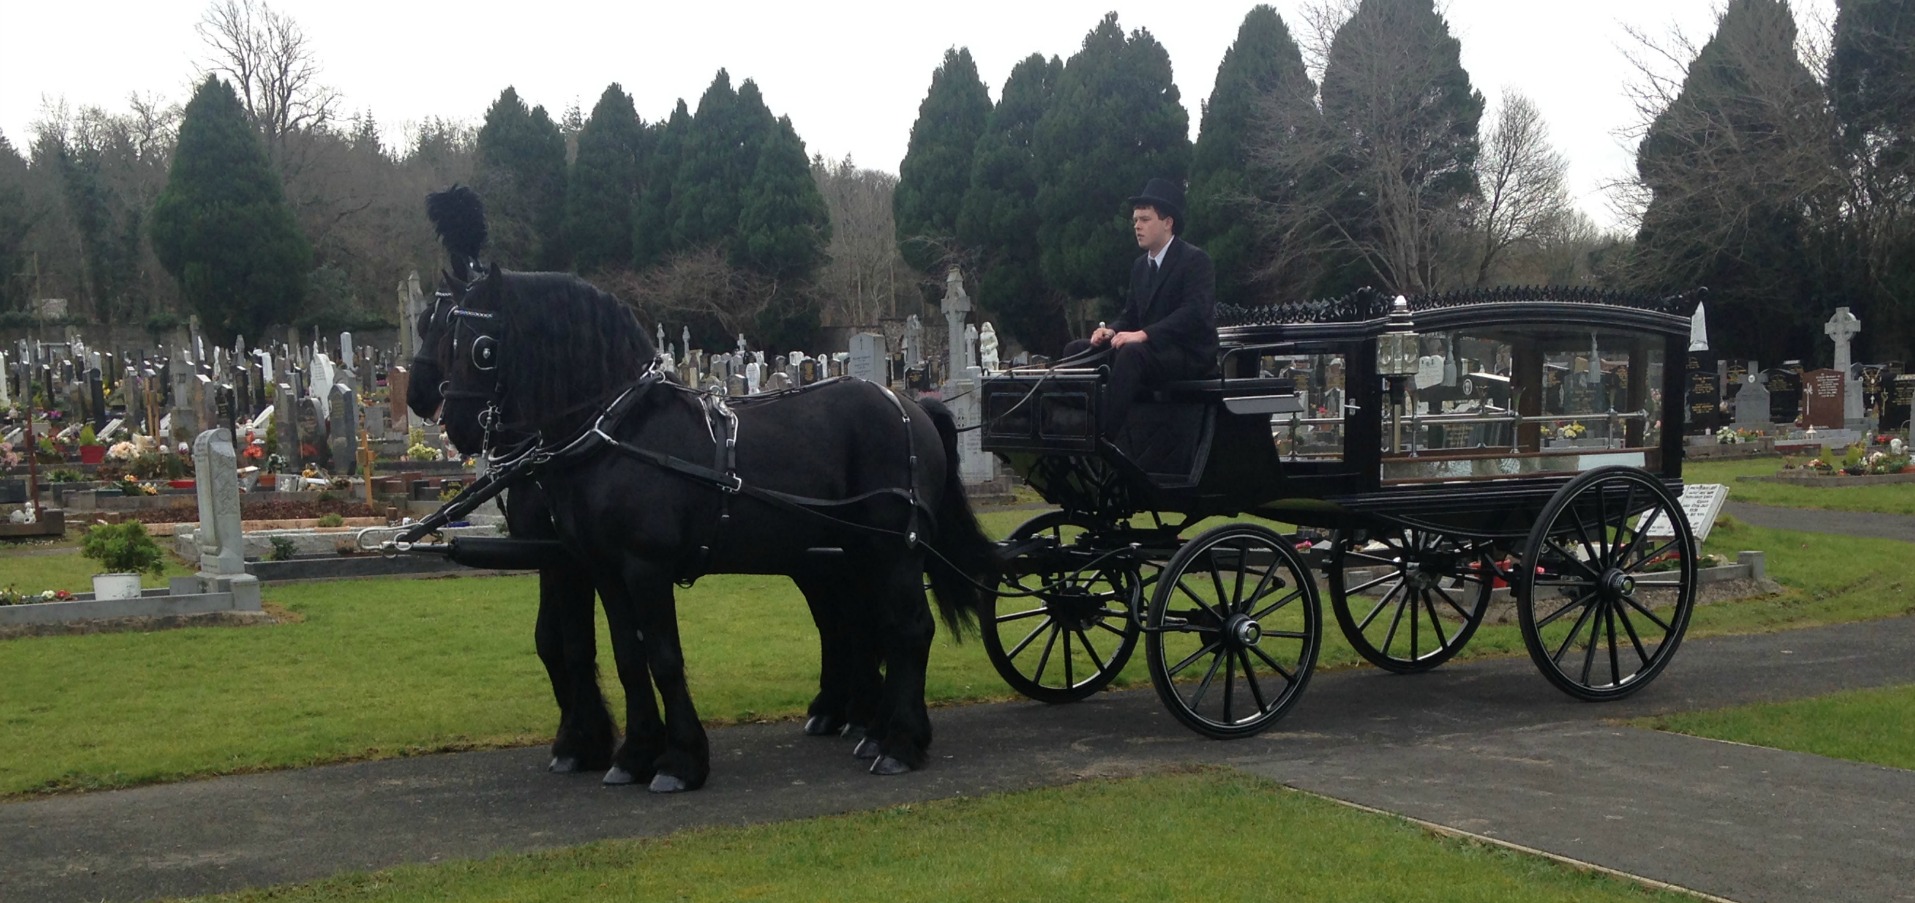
1525 203
266 55
866 279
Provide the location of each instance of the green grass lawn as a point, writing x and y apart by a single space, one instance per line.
1890 498
1208 835
1875 726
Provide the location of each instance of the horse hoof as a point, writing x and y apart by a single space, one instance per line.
866 749
823 726
664 783
564 765
619 777
887 766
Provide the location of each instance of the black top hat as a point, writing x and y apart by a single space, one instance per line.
1165 195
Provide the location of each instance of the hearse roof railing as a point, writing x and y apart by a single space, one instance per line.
1365 312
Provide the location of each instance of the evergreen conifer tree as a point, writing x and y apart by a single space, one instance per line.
602 196
1731 162
998 219
222 227
1261 78
1402 121
652 241
1872 83
936 169
1117 122
522 177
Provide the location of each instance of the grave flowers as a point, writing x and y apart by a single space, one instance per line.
92 451
126 550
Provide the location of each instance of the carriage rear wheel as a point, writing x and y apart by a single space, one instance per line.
1415 598
1607 584
1078 630
1233 631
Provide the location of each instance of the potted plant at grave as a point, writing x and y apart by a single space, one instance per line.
92 450
126 550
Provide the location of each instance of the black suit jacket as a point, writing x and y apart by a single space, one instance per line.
1179 309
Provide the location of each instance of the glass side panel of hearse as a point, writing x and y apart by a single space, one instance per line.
1489 400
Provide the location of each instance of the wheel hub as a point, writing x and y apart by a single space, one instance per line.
1073 606
1617 584
1245 631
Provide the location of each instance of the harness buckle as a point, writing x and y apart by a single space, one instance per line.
734 487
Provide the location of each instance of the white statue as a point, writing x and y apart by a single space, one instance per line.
987 348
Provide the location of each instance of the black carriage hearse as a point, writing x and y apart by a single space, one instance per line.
1424 453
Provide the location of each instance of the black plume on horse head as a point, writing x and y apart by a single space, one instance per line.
458 216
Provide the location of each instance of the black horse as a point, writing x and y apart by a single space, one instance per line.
847 489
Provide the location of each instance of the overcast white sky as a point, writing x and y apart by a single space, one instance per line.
849 73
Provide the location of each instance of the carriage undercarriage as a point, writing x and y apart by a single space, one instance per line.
1413 547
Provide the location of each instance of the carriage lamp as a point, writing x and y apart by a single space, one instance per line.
1396 351
1396 348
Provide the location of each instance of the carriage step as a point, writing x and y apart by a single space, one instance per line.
824 550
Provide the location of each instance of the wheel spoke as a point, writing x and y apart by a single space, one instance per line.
1451 601
1380 605
1216 579
1429 603
1017 650
1050 644
1250 680
1572 603
1272 609
1210 677
1666 629
1672 543
1229 686
1571 636
1609 624
1629 628
1178 668
1281 671
1070 679
1083 639
1207 607
1354 590
1395 622
1021 615
1595 636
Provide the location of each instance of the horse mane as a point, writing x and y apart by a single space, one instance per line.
564 343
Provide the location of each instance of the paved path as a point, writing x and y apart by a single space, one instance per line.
1813 520
1486 747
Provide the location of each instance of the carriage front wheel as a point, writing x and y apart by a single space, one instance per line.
1071 627
1408 598
1607 583
1233 631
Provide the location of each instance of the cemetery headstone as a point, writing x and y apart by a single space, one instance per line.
398 383
1843 327
1704 397
1822 392
1896 411
286 416
312 435
867 349
96 397
344 429
1752 403
221 542
956 306
1785 394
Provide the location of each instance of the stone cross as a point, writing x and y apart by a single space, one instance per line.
956 307
1844 327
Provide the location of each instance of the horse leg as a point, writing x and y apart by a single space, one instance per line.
564 634
685 761
847 696
904 725
637 757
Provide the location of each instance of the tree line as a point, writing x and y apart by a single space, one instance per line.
1354 151
1345 149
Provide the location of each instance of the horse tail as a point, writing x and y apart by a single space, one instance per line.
962 556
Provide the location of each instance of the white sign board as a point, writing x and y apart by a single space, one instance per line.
1701 502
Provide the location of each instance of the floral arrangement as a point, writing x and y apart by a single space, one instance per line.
9 459
1885 462
1571 431
11 596
131 485
417 449
123 452
1729 435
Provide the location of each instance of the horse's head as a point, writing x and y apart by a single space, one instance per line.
539 350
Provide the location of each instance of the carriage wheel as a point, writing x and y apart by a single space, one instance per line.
1424 605
1233 631
1073 637
1599 614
